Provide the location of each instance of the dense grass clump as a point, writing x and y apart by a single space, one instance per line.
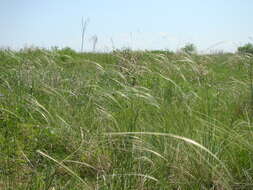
125 120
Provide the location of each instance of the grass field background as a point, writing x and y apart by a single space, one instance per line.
140 120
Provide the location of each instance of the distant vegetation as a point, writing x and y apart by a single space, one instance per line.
189 48
247 48
125 120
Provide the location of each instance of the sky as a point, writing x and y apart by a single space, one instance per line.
212 25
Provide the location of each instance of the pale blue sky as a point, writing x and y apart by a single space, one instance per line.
138 24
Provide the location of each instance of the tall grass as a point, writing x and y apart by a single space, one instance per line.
125 120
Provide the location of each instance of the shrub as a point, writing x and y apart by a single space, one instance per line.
189 48
67 51
247 48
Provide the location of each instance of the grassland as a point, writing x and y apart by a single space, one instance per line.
125 120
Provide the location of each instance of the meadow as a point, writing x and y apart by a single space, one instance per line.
125 120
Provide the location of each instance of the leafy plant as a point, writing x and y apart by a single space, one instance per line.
247 48
189 48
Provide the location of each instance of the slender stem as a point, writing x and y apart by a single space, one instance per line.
84 26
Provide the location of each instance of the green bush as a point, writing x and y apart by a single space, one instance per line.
67 51
247 48
189 48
